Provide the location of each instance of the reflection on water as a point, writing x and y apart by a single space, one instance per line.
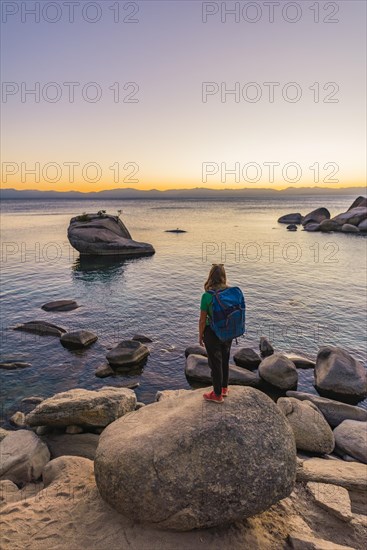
103 268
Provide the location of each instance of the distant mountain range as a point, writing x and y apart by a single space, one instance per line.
195 193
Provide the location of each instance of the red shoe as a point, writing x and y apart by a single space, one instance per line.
225 392
211 396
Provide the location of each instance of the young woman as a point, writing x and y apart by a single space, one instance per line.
218 351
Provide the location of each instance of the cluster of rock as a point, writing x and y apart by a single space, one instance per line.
337 374
125 356
354 220
161 465
101 234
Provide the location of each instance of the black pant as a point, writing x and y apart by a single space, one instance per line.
218 359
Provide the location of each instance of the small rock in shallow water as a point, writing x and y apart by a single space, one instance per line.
292 227
6 365
247 358
265 347
142 338
127 353
60 305
78 339
42 328
104 370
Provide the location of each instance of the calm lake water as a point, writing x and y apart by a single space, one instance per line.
302 289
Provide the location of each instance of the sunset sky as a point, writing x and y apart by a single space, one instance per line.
166 136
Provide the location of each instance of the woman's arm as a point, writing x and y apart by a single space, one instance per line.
202 323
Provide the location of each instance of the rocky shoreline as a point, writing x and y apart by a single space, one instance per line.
354 220
286 471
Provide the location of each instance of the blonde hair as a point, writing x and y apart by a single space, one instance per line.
217 278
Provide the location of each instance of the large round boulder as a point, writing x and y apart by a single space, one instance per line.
83 407
316 216
351 439
362 226
23 457
104 235
338 375
311 431
279 371
186 463
41 328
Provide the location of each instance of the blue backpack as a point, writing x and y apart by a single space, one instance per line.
229 313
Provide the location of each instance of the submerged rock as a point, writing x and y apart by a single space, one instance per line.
42 328
197 369
311 431
23 457
175 231
338 375
351 439
104 235
279 371
142 338
60 305
83 407
78 339
127 353
159 465
335 412
13 365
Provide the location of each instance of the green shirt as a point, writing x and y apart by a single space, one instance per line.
207 305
